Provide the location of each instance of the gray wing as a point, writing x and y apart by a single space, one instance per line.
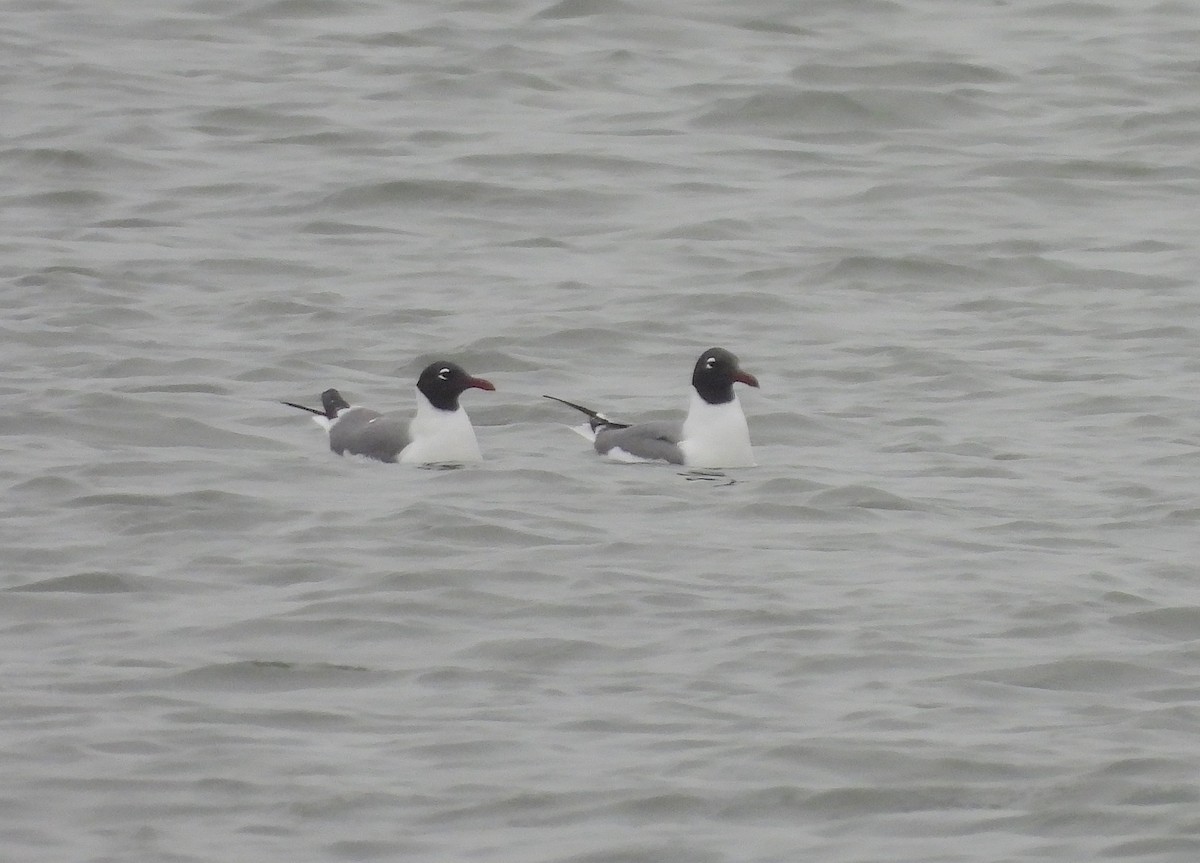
360 431
652 440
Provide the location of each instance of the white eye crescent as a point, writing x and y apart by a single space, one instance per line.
444 374
710 362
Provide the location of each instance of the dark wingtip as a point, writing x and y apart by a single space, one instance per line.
579 408
304 408
331 401
596 419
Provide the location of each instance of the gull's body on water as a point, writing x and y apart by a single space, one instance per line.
439 433
713 435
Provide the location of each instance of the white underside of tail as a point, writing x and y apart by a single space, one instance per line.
327 423
585 431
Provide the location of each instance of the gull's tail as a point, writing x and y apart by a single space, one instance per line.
332 404
596 420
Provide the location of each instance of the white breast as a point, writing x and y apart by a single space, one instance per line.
716 435
440 436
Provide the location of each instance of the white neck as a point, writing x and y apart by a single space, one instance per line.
716 435
440 436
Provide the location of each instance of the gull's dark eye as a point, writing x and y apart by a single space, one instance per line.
711 362
444 374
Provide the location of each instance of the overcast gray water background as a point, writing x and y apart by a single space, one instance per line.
951 616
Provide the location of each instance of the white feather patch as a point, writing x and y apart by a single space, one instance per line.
584 431
618 454
716 436
327 423
440 436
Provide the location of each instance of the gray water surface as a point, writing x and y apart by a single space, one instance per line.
951 616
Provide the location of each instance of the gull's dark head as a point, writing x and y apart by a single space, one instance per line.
443 382
716 372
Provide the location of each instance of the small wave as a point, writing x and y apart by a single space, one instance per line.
84 582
